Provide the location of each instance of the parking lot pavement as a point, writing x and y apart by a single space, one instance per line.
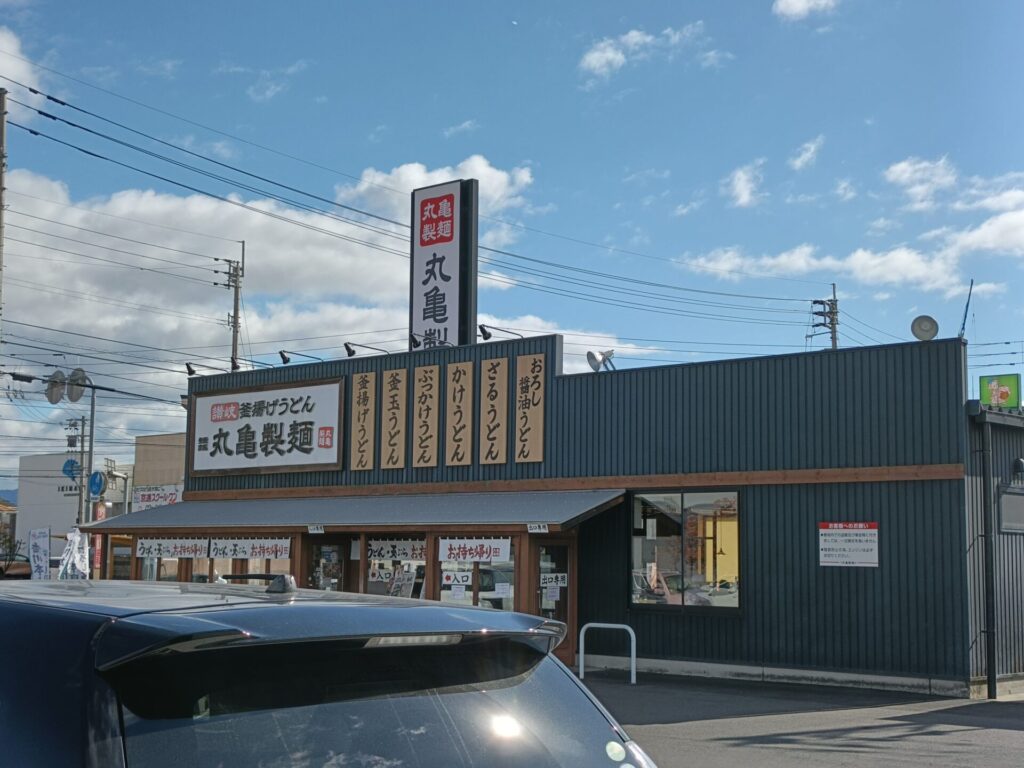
724 724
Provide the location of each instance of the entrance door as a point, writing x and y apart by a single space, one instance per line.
554 589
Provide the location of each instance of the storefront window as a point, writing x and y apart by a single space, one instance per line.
471 577
328 573
168 570
121 561
686 549
397 567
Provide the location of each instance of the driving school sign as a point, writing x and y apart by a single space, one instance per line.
442 286
284 429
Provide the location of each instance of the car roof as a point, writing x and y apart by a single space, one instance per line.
142 616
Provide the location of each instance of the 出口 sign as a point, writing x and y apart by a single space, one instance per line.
442 289
848 545
254 549
475 550
284 429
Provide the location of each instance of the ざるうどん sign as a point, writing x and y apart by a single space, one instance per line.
442 288
285 429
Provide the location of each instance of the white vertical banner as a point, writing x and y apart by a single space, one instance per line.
74 562
39 552
434 287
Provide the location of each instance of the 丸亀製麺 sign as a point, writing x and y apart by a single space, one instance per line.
424 416
383 549
529 394
256 549
189 549
848 545
474 550
458 415
149 496
443 273
393 419
363 420
493 411
285 429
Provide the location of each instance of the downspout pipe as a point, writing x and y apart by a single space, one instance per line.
988 512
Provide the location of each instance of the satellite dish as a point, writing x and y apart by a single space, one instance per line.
600 360
76 384
55 387
924 328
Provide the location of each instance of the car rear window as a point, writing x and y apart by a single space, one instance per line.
496 702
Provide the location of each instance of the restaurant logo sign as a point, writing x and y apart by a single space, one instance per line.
285 429
1000 391
442 287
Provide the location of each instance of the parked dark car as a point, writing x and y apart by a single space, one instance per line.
125 674
20 567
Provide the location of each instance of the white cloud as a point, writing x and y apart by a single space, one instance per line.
163 68
496 280
802 198
607 56
807 154
266 87
921 180
881 226
466 126
714 59
220 148
685 209
1002 193
648 174
898 267
845 190
882 296
743 183
269 82
378 133
1002 234
801 9
23 72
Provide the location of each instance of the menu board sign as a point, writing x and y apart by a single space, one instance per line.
393 420
425 403
458 416
494 411
529 393
285 429
364 420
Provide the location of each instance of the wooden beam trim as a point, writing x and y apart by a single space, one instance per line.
905 473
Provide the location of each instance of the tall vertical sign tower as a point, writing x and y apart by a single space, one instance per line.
442 286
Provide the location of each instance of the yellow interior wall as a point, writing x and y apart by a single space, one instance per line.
729 541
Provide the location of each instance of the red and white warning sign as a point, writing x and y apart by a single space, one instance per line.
848 545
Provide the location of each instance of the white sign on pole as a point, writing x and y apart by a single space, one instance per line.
74 562
39 552
291 428
503 589
189 549
149 496
536 527
458 592
382 549
475 550
554 580
434 287
267 549
848 545
552 593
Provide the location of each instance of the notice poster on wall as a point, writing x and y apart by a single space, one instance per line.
848 545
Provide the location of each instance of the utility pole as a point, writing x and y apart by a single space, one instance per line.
235 273
92 437
3 181
829 315
81 469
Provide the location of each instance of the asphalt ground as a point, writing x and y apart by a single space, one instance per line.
706 723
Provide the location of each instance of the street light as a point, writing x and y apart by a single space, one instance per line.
351 352
599 360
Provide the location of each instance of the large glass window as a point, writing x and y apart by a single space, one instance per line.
685 549
397 567
470 581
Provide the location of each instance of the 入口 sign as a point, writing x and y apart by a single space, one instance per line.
442 288
848 545
286 429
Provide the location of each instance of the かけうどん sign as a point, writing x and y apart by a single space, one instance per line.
285 429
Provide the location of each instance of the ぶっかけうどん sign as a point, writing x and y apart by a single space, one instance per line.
284 429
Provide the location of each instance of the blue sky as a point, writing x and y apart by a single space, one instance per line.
755 148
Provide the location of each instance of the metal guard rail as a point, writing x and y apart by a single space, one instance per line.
632 646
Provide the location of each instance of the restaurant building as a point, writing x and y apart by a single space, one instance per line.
817 516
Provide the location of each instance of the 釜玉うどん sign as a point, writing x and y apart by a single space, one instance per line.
442 289
848 545
282 429
1002 391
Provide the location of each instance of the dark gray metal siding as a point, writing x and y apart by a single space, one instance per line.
1007 444
878 406
906 617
